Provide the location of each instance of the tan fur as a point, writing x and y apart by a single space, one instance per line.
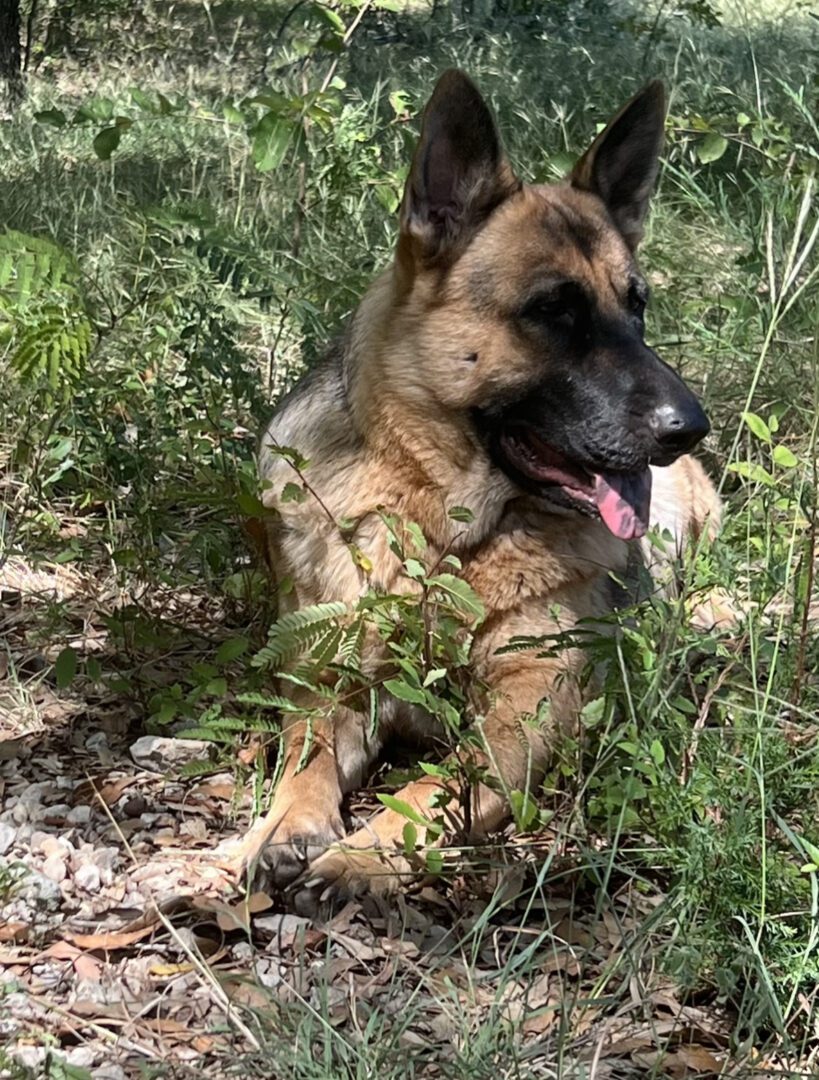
389 427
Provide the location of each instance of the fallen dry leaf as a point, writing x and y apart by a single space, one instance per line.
233 916
167 971
88 967
14 931
131 932
215 789
700 1059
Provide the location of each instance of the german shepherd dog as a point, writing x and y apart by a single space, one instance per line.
499 364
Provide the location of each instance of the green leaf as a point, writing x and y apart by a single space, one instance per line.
106 142
434 676
232 114
811 850
410 834
231 649
332 19
524 809
404 692
711 148
271 138
464 597
416 535
752 471
165 107
414 569
593 712
461 513
785 458
657 751
292 492
757 425
398 806
54 117
435 861
143 100
249 504
65 667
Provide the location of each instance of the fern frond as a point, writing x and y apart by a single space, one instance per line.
55 346
31 266
297 631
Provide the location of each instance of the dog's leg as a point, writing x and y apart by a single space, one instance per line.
305 816
515 757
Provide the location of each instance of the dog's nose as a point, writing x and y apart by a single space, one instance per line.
678 427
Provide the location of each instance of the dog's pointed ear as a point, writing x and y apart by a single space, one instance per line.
458 175
621 164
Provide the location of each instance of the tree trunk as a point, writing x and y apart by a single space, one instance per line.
11 75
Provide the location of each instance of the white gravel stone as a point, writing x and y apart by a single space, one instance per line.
33 794
54 868
7 837
109 1072
281 925
88 878
105 859
157 754
36 888
50 844
79 815
81 1057
97 742
30 1057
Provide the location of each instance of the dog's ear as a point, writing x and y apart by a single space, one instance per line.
458 175
621 164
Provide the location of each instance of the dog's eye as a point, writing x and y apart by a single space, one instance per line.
562 306
637 298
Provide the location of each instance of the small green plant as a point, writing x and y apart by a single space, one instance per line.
413 644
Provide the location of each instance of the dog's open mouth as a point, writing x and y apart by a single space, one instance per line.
622 499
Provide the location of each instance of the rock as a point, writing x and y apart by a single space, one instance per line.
53 845
30 1057
37 889
109 1072
7 835
242 951
97 743
88 878
135 806
54 868
54 815
81 1057
105 859
32 794
268 973
79 815
156 754
285 926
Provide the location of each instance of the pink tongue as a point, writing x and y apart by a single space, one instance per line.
624 502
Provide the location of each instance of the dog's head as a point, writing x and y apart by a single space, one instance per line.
522 307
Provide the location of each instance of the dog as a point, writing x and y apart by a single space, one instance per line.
498 363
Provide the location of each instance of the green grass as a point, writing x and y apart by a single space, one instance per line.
209 284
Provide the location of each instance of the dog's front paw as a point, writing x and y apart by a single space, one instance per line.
343 873
276 857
